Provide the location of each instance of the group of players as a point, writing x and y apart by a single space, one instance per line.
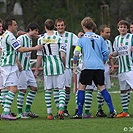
55 48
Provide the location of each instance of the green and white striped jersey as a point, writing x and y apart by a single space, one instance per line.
70 39
9 46
109 44
24 58
122 46
0 48
52 63
110 49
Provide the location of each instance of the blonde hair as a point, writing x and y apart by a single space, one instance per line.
88 23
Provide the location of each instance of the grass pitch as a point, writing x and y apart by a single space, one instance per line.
93 125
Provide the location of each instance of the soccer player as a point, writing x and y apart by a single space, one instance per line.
131 27
70 39
88 91
53 55
123 45
109 68
95 54
1 32
9 68
26 77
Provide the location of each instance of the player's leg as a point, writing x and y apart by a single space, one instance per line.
99 81
31 82
48 93
76 105
100 99
22 87
4 92
88 101
48 81
125 98
61 86
9 81
126 82
84 80
56 97
68 81
76 93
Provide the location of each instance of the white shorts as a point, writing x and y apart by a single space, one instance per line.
0 79
57 81
107 81
126 80
26 78
68 77
9 76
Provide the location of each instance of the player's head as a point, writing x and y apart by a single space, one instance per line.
123 27
131 27
60 25
33 29
1 27
11 25
49 24
104 31
88 23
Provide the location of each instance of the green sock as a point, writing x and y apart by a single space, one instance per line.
29 100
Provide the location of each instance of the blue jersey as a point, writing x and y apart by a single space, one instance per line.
94 54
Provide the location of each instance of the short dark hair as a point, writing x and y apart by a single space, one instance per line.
102 27
32 26
123 22
49 24
8 22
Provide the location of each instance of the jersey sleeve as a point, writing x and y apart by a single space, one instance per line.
105 51
132 41
114 46
20 40
13 42
39 52
75 40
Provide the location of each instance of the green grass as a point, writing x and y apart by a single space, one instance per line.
94 125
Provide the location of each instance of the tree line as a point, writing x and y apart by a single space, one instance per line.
73 11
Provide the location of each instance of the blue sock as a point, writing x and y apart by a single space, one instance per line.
80 101
108 99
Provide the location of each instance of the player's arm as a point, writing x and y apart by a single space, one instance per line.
111 65
105 51
114 53
63 57
38 64
77 52
17 46
18 64
76 55
24 49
